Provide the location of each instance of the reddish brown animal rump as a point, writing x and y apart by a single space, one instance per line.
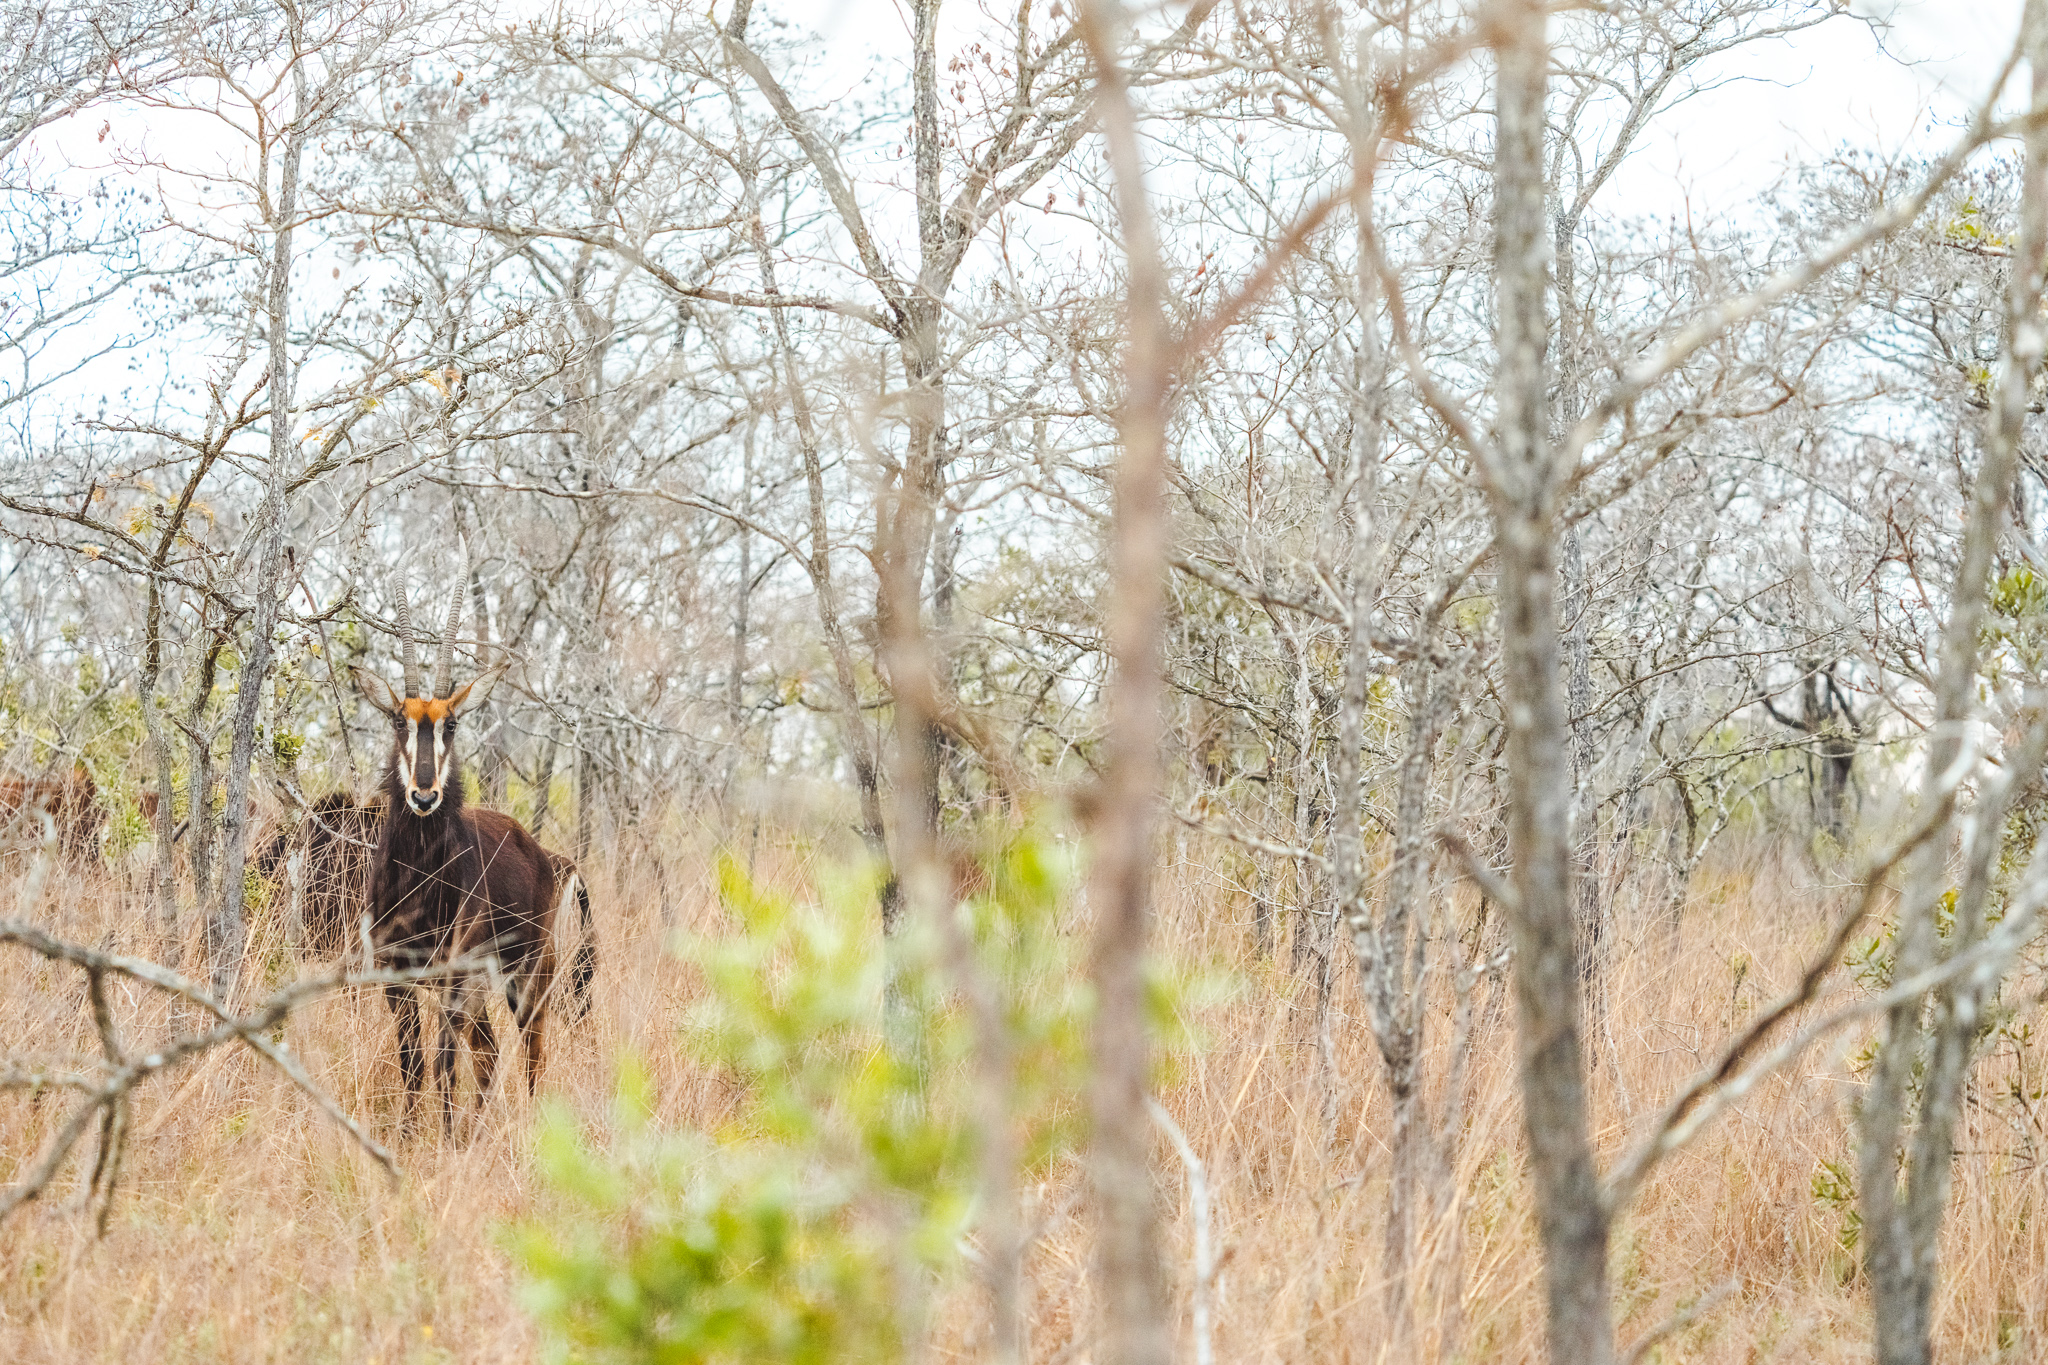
71 802
447 883
583 956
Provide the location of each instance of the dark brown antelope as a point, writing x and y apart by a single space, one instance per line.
323 863
448 883
67 809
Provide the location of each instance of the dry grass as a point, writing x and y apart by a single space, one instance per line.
248 1229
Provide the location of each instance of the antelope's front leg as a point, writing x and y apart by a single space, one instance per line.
412 1063
472 996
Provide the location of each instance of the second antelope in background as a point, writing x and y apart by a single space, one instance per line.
322 864
448 883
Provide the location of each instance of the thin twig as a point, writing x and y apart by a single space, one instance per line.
1682 1319
1489 882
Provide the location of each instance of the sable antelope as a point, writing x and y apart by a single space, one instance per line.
327 856
447 882
70 803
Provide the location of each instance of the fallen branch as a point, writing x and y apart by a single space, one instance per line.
106 1085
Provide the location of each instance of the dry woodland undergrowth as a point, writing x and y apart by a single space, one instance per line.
247 1227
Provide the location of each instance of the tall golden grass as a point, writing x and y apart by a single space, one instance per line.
248 1229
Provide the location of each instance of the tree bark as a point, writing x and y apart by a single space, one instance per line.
227 931
1390 964
860 744
1902 1217
1567 404
199 820
495 757
544 779
1129 1274
905 531
586 794
736 677
163 873
1524 484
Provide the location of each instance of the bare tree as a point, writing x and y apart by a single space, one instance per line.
1525 479
1903 1208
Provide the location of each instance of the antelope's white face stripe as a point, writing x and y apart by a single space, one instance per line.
424 752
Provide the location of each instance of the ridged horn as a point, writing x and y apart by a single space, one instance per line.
405 641
444 665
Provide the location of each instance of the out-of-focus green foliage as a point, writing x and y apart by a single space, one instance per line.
838 1194
2014 636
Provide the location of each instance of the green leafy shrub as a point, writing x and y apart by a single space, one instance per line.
837 1197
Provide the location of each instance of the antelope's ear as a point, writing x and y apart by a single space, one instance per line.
475 692
376 691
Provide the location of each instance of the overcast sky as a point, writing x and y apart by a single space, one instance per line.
1901 87
1898 89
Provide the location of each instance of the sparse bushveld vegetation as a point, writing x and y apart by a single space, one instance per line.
1134 685
247 1227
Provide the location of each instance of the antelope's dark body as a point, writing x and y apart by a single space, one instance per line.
472 883
461 882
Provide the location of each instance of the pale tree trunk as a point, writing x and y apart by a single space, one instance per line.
163 874
544 779
1398 986
953 755
226 930
736 677
495 758
1902 1209
860 742
586 794
1524 486
1391 948
199 821
1567 405
904 526
1262 906
1589 907
163 878
1312 936
1129 1276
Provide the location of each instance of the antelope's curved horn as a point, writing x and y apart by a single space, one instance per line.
444 666
405 641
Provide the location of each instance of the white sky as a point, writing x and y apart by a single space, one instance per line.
1900 89
1799 98
1803 97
